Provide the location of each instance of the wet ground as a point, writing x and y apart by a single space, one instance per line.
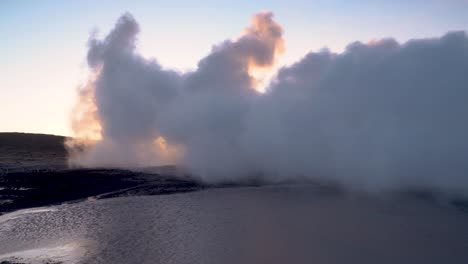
269 224
19 190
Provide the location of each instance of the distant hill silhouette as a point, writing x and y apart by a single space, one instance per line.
25 149
31 141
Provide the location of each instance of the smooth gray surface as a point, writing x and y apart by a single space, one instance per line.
239 225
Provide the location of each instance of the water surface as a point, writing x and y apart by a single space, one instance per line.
282 224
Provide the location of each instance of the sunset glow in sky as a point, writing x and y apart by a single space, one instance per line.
43 47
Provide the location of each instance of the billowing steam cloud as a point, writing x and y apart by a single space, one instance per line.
378 115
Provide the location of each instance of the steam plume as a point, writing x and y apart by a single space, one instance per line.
378 115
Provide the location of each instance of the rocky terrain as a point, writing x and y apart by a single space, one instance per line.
33 172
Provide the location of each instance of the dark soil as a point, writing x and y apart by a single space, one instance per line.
33 173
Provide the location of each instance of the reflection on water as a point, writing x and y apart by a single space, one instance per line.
68 253
239 225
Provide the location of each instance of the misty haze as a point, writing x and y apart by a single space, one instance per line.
344 141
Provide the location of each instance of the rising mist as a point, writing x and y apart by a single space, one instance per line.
380 115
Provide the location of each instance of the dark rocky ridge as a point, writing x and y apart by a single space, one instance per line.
40 188
33 173
23 151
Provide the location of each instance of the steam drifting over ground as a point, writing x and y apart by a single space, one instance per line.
381 115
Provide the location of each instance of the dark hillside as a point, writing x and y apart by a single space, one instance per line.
37 142
31 150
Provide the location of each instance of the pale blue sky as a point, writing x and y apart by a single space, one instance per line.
43 43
